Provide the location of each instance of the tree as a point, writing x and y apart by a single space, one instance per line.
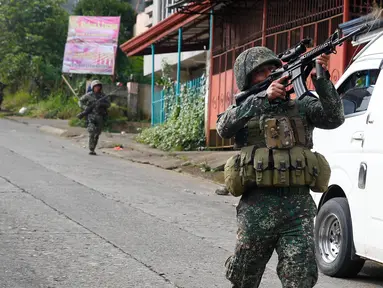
110 8
124 66
32 41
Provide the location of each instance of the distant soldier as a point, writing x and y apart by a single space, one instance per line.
97 117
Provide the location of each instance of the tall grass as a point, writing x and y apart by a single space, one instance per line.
56 105
16 101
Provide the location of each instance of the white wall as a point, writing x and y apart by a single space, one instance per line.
171 59
140 26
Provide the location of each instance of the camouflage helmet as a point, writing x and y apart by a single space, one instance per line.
249 60
95 83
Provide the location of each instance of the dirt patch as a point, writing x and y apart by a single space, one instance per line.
217 177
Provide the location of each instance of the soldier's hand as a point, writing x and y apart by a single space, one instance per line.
277 89
323 61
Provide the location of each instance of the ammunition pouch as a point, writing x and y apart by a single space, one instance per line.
312 168
232 174
263 167
279 133
281 171
247 170
323 178
239 171
298 166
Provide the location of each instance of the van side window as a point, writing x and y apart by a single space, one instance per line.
357 90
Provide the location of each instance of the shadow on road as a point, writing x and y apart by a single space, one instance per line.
372 273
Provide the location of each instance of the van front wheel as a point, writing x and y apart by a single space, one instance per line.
333 240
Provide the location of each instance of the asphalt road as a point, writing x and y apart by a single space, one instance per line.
68 219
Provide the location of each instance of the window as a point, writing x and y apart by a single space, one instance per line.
357 90
167 11
357 99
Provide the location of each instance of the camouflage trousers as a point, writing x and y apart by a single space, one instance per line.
94 130
280 219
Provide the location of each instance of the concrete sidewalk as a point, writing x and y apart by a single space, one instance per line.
206 164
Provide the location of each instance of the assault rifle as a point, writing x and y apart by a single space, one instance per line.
93 105
299 65
89 108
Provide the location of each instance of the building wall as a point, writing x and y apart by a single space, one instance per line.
145 100
278 25
141 24
194 58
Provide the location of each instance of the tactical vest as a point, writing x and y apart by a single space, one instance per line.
255 134
277 154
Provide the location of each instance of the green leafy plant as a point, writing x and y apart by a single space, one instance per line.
185 113
32 42
13 102
57 105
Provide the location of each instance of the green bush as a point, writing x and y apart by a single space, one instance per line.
115 111
55 106
16 101
184 126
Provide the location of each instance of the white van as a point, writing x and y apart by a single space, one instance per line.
349 223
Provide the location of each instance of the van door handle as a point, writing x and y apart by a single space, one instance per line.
362 177
369 120
358 136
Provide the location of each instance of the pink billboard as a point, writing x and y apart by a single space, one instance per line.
91 45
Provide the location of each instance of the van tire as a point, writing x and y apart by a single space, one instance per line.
334 240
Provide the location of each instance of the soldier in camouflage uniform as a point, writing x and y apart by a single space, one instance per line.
276 218
96 118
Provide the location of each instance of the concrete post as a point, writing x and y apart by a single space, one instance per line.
132 100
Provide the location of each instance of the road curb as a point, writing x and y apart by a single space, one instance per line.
52 130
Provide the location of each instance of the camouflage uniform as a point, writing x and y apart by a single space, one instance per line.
96 118
275 218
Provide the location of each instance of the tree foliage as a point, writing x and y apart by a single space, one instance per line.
33 36
124 66
32 41
110 8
